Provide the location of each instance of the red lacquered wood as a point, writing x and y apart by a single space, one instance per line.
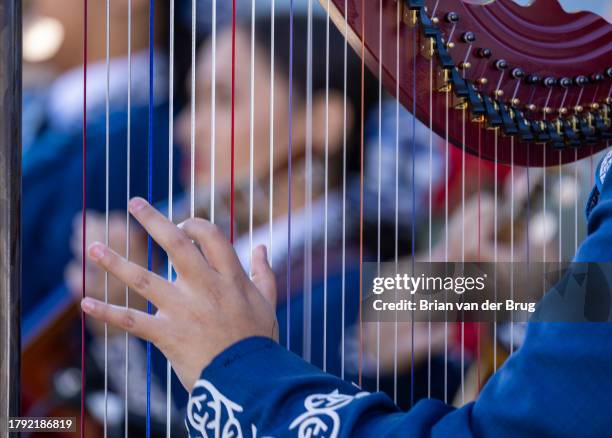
541 39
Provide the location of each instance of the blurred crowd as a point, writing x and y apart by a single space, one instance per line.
325 126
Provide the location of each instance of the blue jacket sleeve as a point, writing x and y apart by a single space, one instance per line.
557 384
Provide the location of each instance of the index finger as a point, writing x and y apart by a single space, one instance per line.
185 256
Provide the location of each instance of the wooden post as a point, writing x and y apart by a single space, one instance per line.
10 209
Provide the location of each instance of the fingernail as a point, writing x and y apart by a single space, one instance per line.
96 250
87 305
137 204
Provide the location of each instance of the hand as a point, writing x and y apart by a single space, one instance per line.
210 306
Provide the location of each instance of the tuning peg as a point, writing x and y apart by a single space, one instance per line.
468 37
549 81
451 17
501 64
484 53
581 80
533 79
517 73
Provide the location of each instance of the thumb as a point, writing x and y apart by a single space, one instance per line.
263 276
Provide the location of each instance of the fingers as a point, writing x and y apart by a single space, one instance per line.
133 321
149 285
263 276
185 256
218 251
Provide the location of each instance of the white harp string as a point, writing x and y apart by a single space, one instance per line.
560 200
251 136
106 209
326 177
170 198
193 109
344 133
213 109
544 224
271 170
576 196
307 323
127 213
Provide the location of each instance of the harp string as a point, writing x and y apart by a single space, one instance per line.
544 224
233 120
413 212
84 219
396 235
193 111
430 198
516 89
342 333
213 109
446 236
479 186
326 177
170 198
307 321
106 206
462 324
560 169
150 195
576 166
379 182
361 181
512 241
527 231
289 171
560 211
271 170
495 243
127 213
251 136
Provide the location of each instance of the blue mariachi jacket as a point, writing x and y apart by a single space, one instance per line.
559 383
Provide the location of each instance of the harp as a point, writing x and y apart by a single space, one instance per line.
519 86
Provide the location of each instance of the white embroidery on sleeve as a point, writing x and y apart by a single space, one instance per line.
605 166
211 414
321 419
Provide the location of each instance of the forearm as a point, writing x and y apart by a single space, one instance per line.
264 390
